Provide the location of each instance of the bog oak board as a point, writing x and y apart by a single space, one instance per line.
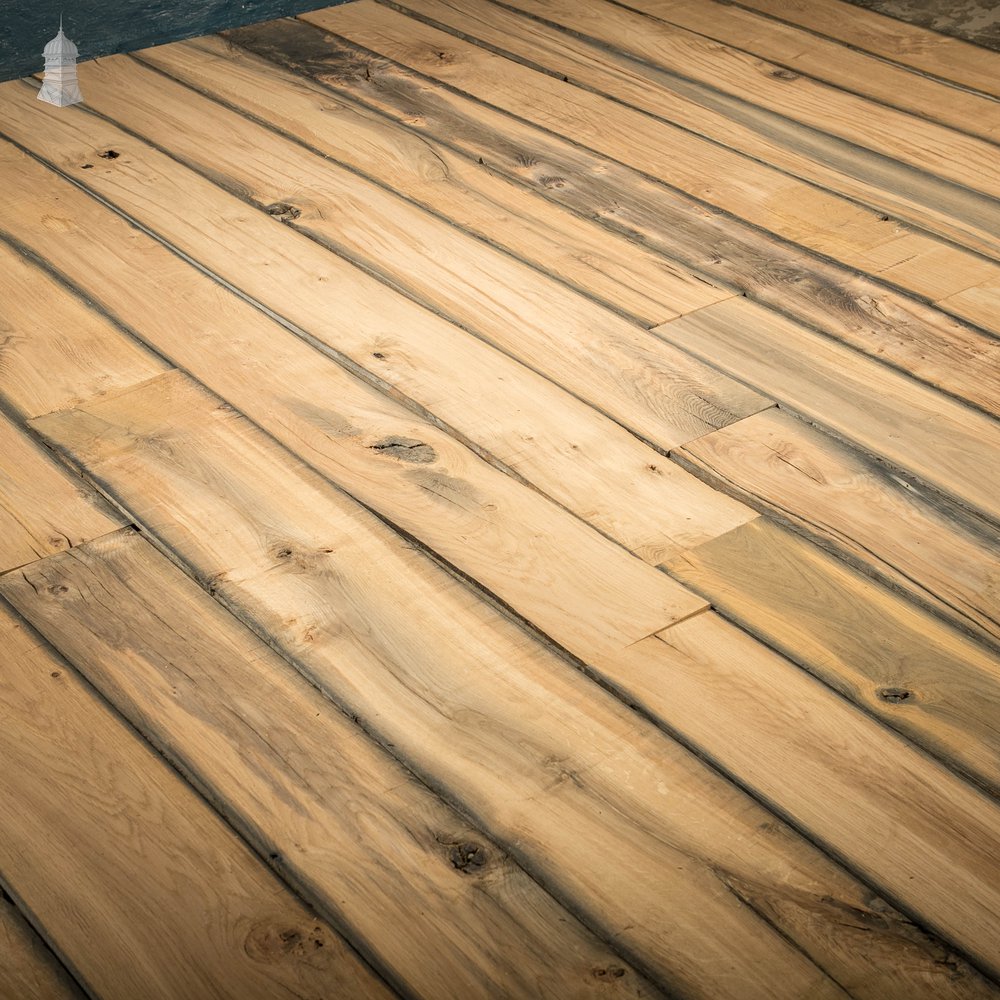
430 901
140 886
904 666
28 970
665 859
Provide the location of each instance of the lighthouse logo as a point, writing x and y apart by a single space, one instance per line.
60 86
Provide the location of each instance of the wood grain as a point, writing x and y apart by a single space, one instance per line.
28 970
435 905
671 863
848 502
901 664
814 290
142 887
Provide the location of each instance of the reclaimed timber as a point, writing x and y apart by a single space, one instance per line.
904 666
848 306
948 445
430 901
669 862
866 514
525 549
895 41
684 79
140 886
28 970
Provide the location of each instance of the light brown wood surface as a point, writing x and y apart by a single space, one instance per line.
28 970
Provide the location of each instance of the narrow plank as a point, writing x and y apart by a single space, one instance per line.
896 41
687 80
672 864
901 819
850 503
582 253
907 668
529 552
825 59
946 444
28 970
978 303
433 904
43 507
848 306
138 884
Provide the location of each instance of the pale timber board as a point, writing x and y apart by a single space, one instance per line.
923 678
637 60
907 823
847 305
44 508
667 860
529 552
579 251
41 321
907 44
948 445
139 886
848 68
863 512
432 903
28 970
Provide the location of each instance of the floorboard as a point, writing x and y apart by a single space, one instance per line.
28 970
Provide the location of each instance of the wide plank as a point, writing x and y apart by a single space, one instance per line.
669 862
849 306
524 548
139 886
28 970
948 445
901 664
850 503
434 905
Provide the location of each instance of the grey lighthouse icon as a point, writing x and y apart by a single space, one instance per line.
60 86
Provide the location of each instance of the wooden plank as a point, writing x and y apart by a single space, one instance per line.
896 41
910 670
817 292
685 79
525 549
669 862
43 507
28 970
904 821
138 884
368 845
946 444
579 251
847 502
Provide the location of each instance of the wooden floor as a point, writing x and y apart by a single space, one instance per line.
502 500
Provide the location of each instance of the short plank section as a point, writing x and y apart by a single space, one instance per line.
138 884
946 444
848 502
28 970
43 507
907 668
672 864
433 904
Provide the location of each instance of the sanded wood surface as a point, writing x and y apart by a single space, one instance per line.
28 970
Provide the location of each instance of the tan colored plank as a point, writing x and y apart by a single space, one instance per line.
847 305
747 106
907 668
28 970
979 303
136 881
524 548
948 445
43 507
850 503
435 905
670 862
903 820
897 41
581 252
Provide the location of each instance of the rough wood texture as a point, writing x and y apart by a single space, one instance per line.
28 970
139 885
